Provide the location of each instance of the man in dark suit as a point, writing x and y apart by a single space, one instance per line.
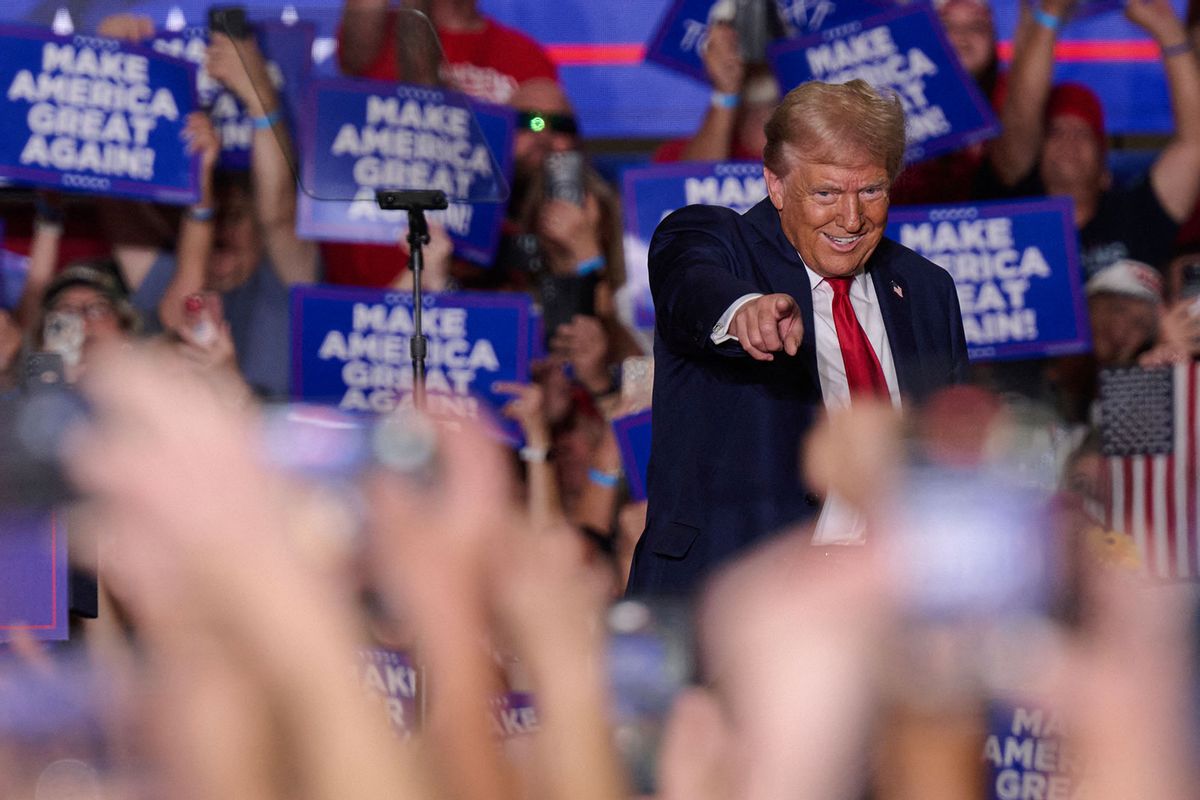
767 318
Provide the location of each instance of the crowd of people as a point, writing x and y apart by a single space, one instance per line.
224 604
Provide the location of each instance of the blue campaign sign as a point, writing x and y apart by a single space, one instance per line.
1025 754
392 676
1016 267
190 44
358 136
33 575
651 193
905 50
350 348
287 49
633 439
95 115
680 35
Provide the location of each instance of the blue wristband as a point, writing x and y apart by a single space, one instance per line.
267 120
591 265
1176 49
723 100
601 478
1046 19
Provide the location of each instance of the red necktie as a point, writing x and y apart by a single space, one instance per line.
863 372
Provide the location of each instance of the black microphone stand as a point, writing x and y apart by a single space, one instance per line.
416 202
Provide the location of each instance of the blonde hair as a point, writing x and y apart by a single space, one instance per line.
820 121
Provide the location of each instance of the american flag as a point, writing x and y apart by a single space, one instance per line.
1150 440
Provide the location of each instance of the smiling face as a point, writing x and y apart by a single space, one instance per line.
833 214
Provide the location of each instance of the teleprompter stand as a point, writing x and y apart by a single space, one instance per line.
416 202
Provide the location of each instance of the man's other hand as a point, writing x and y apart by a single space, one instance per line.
768 324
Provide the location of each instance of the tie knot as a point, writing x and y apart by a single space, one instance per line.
840 286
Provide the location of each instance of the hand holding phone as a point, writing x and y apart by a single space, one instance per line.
229 20
564 176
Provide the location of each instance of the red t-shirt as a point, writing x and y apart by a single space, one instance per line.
487 64
353 264
1189 233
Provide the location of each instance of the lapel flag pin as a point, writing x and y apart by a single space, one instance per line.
896 288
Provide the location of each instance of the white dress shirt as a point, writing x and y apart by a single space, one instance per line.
838 523
835 388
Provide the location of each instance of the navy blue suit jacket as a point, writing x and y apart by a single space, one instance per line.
724 461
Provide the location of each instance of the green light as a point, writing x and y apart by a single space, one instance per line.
537 124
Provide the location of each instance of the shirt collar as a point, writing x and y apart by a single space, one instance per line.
815 280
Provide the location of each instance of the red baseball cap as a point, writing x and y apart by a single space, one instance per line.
1077 100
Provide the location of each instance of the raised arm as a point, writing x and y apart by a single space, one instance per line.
240 66
43 256
726 72
1015 152
692 278
697 295
363 31
196 231
1175 175
528 409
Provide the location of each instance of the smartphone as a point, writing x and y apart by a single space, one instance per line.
33 426
229 20
650 660
975 558
44 370
63 333
971 545
564 176
637 380
1189 281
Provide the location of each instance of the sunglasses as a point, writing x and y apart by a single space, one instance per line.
538 122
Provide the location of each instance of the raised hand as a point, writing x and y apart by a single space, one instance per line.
570 232
583 344
528 409
767 325
200 137
243 70
722 57
128 27
1158 19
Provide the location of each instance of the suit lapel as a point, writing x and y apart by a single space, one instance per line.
895 303
785 273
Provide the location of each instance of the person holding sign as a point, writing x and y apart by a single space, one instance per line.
251 254
742 98
1053 141
951 177
766 318
97 306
